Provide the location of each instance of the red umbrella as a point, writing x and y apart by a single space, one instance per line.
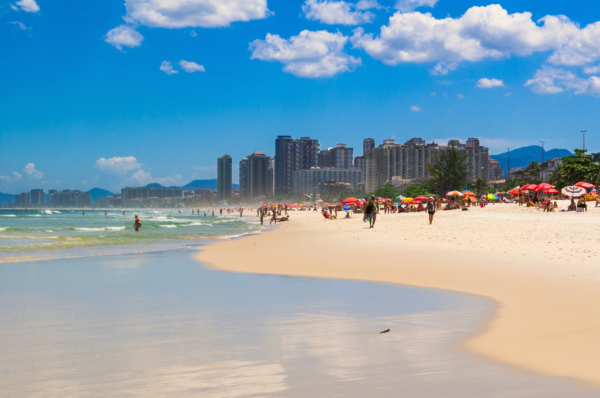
514 191
585 185
350 200
423 198
543 186
551 191
326 204
416 202
529 187
385 200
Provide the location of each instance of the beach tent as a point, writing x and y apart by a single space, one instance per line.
573 191
585 185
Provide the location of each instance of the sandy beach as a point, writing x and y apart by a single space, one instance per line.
541 268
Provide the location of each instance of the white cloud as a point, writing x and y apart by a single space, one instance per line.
167 67
590 70
442 68
549 80
415 108
145 177
32 172
310 54
21 25
368 4
16 175
191 67
124 36
411 5
489 83
118 165
27 5
193 33
333 12
461 96
481 33
194 13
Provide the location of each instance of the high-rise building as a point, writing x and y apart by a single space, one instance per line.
368 144
339 157
359 162
306 181
224 177
23 199
256 176
292 155
37 197
392 162
495 171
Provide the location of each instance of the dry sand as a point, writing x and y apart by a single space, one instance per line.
542 268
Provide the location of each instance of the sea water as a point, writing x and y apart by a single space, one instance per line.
163 325
63 233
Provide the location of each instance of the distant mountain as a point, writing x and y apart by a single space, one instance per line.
521 157
154 185
6 197
99 193
210 184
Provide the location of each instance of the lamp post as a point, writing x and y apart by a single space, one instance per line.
508 168
584 131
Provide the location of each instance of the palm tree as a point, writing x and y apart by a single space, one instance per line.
448 170
535 168
480 186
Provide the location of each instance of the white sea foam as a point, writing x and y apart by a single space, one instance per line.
168 226
89 229
47 230
48 211
2 229
8 215
116 228
194 224
35 215
54 211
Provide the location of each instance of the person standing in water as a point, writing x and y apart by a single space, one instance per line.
83 212
431 208
138 224
105 213
123 213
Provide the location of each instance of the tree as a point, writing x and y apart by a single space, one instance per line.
387 191
448 170
579 167
480 186
535 168
412 191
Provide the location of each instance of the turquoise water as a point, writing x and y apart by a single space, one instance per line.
51 231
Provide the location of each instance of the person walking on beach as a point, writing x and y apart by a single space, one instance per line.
262 215
274 217
431 208
370 212
138 224
241 211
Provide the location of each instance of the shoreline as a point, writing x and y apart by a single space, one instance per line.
546 321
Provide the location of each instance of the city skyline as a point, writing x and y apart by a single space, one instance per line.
121 99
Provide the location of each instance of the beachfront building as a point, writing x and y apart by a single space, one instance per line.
224 177
495 171
133 196
408 161
339 157
290 156
547 167
359 162
256 176
368 145
37 197
306 181
333 188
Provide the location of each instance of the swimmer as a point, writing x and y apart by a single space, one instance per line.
138 224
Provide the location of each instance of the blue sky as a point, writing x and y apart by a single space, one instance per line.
96 93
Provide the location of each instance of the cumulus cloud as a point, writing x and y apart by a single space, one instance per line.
118 165
339 12
124 36
443 68
16 175
26 5
368 4
550 80
167 67
489 83
194 13
20 25
310 54
481 33
32 172
191 67
145 177
590 70
411 5
193 33
415 108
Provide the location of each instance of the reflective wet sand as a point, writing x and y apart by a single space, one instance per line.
160 324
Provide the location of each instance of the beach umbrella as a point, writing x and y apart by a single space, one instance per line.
551 191
514 191
454 193
326 204
350 200
543 186
385 200
573 191
585 185
407 200
422 198
491 196
400 197
529 187
468 193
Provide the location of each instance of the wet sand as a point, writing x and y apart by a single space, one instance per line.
542 269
